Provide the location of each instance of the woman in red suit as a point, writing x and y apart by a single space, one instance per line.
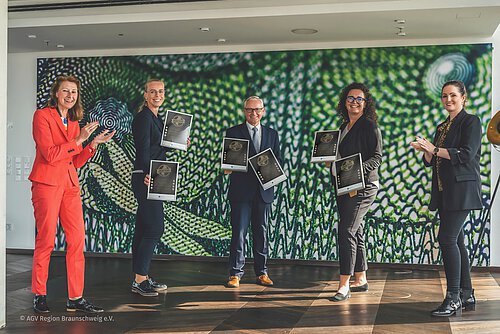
56 191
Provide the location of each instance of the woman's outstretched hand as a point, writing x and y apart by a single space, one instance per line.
103 137
86 131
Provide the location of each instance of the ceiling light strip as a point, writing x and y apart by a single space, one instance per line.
93 4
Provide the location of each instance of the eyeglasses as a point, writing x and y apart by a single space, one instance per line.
352 99
255 110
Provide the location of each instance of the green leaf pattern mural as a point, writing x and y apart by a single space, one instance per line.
300 89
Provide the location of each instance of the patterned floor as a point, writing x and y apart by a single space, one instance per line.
398 301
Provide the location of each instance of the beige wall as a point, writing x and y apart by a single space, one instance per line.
22 99
3 152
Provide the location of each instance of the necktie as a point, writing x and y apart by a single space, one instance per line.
255 140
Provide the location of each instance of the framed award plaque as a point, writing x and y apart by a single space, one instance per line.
176 130
267 168
235 154
325 145
163 184
349 174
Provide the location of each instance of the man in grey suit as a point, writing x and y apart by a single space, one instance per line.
250 203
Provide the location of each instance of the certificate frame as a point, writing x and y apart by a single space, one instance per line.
325 146
234 155
176 130
163 185
267 169
349 175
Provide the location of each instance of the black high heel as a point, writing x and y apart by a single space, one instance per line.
468 300
451 305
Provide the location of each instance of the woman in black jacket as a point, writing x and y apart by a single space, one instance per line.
456 190
147 130
359 134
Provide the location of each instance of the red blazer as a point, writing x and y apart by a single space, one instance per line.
57 153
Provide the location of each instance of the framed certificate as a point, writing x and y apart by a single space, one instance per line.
267 168
176 130
325 145
235 154
163 184
349 174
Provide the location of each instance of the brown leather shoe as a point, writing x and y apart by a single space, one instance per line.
264 280
234 282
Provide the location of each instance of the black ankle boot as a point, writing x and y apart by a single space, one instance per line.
451 305
468 300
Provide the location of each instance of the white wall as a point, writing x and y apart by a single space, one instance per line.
3 146
22 95
495 159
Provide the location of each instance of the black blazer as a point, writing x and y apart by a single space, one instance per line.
364 137
460 175
147 131
244 186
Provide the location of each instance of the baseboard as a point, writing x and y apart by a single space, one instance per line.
320 263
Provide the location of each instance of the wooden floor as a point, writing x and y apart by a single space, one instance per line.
399 301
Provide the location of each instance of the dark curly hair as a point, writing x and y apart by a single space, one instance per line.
369 109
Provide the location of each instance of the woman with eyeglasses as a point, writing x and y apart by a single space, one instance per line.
456 190
359 133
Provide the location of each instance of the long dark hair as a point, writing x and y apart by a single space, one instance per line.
369 109
75 113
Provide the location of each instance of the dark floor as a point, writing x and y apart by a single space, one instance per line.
197 302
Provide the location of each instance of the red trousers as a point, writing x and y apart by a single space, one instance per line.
63 203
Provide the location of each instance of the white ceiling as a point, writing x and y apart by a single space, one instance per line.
249 22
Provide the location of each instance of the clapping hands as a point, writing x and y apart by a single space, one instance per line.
103 137
86 131
423 145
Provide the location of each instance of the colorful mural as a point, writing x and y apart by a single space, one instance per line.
300 89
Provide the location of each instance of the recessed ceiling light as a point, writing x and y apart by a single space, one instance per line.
400 21
32 36
304 31
221 40
60 46
205 29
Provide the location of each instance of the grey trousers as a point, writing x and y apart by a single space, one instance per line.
352 210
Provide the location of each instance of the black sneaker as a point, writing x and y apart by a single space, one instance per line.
144 289
82 305
40 304
158 287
